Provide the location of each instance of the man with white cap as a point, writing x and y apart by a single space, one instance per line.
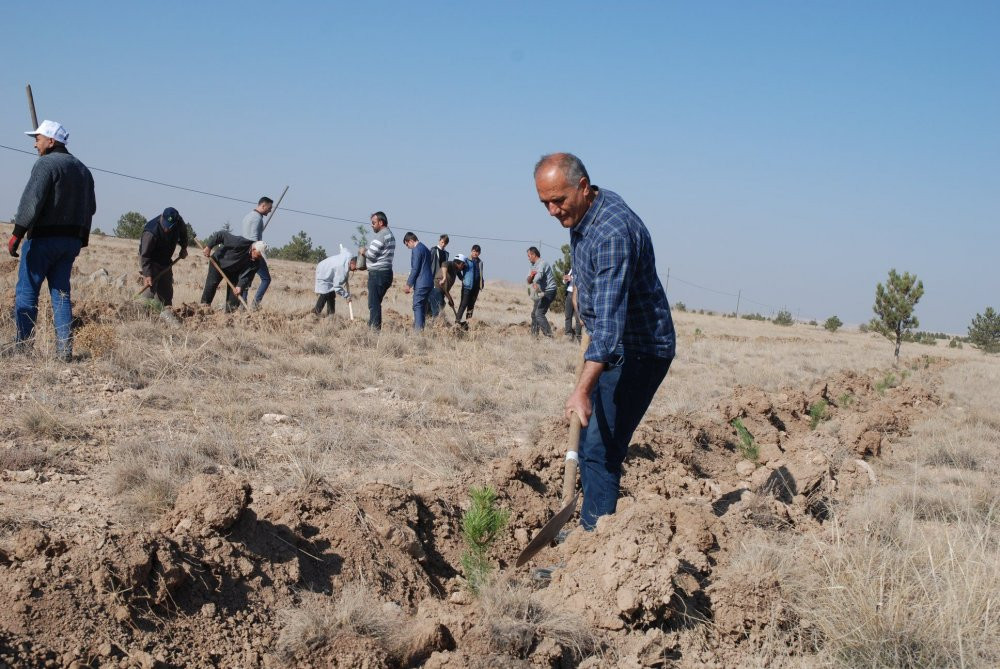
239 259
450 271
331 278
156 246
53 219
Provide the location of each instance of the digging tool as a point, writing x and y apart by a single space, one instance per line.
350 307
569 495
156 278
274 209
231 285
31 108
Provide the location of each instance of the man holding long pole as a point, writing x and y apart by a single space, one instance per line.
53 218
236 261
624 308
253 229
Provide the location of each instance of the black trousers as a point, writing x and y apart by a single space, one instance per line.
329 300
468 303
162 288
212 282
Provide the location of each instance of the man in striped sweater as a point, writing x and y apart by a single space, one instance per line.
379 256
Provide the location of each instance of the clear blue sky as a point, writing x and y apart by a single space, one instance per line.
792 150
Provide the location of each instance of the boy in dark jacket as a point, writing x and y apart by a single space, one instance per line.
239 259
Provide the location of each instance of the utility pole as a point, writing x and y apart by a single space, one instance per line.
666 288
739 294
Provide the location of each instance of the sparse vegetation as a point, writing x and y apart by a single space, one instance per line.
832 324
481 525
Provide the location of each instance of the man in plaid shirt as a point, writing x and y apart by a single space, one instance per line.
624 307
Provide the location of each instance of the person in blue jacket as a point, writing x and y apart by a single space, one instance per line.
421 278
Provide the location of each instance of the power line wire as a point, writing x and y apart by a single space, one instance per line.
286 209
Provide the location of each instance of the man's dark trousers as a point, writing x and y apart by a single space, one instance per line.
623 393
468 303
212 285
378 285
539 323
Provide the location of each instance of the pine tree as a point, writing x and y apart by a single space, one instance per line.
984 332
894 303
130 225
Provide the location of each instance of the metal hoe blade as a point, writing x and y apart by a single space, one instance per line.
548 533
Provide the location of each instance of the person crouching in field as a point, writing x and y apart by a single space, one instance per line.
159 238
450 271
239 259
331 278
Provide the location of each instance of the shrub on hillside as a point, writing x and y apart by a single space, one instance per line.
984 331
784 317
299 248
130 225
833 323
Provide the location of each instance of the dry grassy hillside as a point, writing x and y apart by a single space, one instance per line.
273 489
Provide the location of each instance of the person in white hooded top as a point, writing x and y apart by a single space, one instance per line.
331 279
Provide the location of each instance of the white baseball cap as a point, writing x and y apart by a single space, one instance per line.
261 248
52 130
460 258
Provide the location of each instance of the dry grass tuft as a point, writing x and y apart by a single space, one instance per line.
515 619
98 339
356 611
924 601
24 456
40 421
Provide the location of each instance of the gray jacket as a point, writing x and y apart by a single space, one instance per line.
58 200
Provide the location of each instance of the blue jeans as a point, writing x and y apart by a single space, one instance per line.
436 302
421 298
379 281
620 399
265 280
46 259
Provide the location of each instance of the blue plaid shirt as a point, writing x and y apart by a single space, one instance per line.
620 296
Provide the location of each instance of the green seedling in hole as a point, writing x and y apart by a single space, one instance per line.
748 448
481 525
845 400
153 305
888 382
817 413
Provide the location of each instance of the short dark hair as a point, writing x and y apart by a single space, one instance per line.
533 250
410 237
265 200
475 247
444 238
380 215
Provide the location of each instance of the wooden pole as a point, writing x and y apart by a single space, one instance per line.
232 286
275 208
31 108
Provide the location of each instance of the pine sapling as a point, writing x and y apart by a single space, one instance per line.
481 525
